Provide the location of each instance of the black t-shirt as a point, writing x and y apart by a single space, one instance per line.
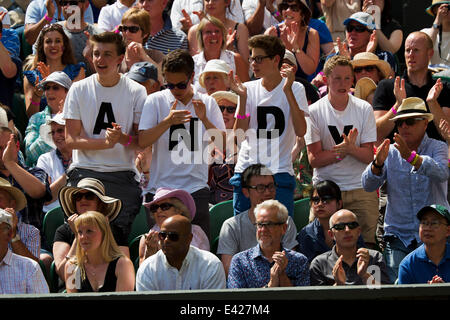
8 85
384 99
65 234
388 27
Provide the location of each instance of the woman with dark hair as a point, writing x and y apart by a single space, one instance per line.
325 200
389 31
297 36
53 53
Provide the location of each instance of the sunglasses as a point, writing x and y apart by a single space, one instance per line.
55 87
341 226
230 110
70 3
173 236
324 199
258 59
132 29
409 121
260 188
164 207
179 85
284 6
367 68
269 225
87 195
59 131
359 29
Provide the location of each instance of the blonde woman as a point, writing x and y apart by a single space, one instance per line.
99 265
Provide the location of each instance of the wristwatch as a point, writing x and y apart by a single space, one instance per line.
16 238
436 26
377 166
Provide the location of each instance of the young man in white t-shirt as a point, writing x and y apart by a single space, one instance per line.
179 123
272 117
340 139
102 114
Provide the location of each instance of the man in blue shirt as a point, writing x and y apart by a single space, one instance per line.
268 264
415 169
430 263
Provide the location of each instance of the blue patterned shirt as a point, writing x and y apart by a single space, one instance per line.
34 144
250 269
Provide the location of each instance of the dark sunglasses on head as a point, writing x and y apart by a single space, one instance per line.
367 68
359 29
173 236
132 29
87 195
179 85
55 87
341 226
284 6
70 3
408 121
164 207
229 109
324 199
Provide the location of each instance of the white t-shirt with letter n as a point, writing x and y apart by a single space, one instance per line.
97 107
181 154
270 136
326 124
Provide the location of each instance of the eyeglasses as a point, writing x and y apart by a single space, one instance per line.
408 121
179 85
433 224
229 109
260 188
173 236
284 6
87 195
70 3
164 206
367 68
359 29
258 59
341 226
59 131
55 87
269 225
324 199
132 29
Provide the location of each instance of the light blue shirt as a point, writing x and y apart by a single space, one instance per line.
37 10
409 190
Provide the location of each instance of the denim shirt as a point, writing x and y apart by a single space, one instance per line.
409 190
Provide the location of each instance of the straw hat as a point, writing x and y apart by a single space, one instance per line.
288 55
413 107
363 59
364 87
228 95
214 65
90 184
17 194
46 128
429 10
183 196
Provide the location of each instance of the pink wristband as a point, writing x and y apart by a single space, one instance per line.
129 141
394 111
46 17
412 156
34 103
243 117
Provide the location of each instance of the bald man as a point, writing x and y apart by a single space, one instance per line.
178 265
345 263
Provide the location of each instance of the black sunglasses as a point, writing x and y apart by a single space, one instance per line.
260 188
284 6
179 85
54 87
324 199
269 225
132 29
359 29
70 3
367 68
87 195
258 59
164 206
341 226
408 121
173 236
229 109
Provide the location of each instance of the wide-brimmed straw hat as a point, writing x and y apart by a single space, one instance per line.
364 87
413 107
225 95
214 65
65 196
363 59
429 10
17 194
183 196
